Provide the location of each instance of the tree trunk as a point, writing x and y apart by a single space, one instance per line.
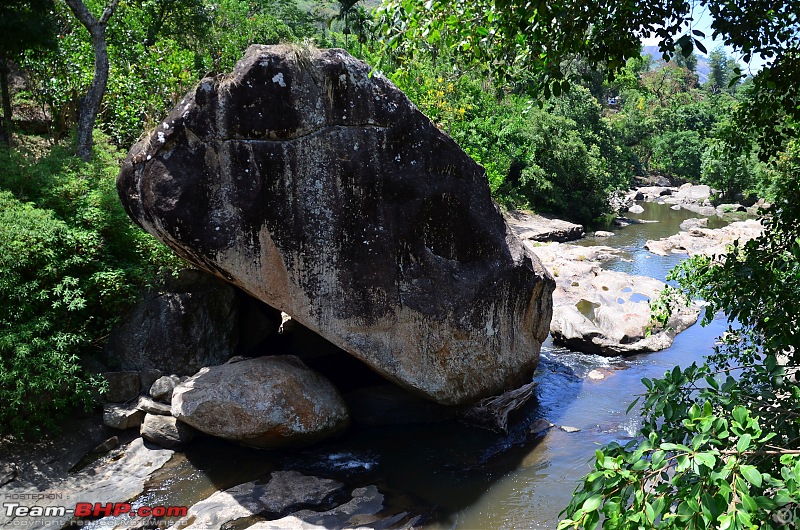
90 103
5 122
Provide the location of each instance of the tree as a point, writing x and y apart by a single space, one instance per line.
90 103
352 17
677 153
723 70
686 60
509 36
24 25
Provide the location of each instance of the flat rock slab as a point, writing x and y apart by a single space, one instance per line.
117 478
542 228
322 191
285 491
360 512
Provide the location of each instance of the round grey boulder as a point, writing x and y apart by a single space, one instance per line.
266 402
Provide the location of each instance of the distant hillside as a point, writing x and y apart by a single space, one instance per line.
702 61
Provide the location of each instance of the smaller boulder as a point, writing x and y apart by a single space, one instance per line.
122 417
166 431
266 402
542 228
694 223
603 233
636 208
162 388
122 386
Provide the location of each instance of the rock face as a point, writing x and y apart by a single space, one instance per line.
122 386
322 191
191 324
266 402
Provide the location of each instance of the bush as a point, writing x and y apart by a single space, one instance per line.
41 305
72 263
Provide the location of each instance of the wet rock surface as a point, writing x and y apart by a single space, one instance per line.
289 499
322 191
284 491
266 402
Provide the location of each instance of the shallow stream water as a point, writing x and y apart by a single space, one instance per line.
464 477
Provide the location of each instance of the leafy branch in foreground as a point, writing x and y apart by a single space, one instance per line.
720 442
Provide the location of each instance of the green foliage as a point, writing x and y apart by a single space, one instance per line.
729 171
677 153
158 50
41 300
719 445
72 262
541 39
25 24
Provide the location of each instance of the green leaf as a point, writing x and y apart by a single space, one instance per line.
739 413
752 475
592 503
744 443
706 459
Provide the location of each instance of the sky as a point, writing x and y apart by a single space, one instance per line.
702 22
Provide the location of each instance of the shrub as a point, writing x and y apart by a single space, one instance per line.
71 262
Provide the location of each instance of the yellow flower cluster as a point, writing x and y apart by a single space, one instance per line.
439 101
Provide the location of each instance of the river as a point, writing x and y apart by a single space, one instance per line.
463 477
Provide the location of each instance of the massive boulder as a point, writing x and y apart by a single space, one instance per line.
267 402
321 190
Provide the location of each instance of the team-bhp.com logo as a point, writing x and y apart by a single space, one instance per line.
788 516
97 509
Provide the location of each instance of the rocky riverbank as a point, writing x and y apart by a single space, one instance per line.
607 312
602 311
